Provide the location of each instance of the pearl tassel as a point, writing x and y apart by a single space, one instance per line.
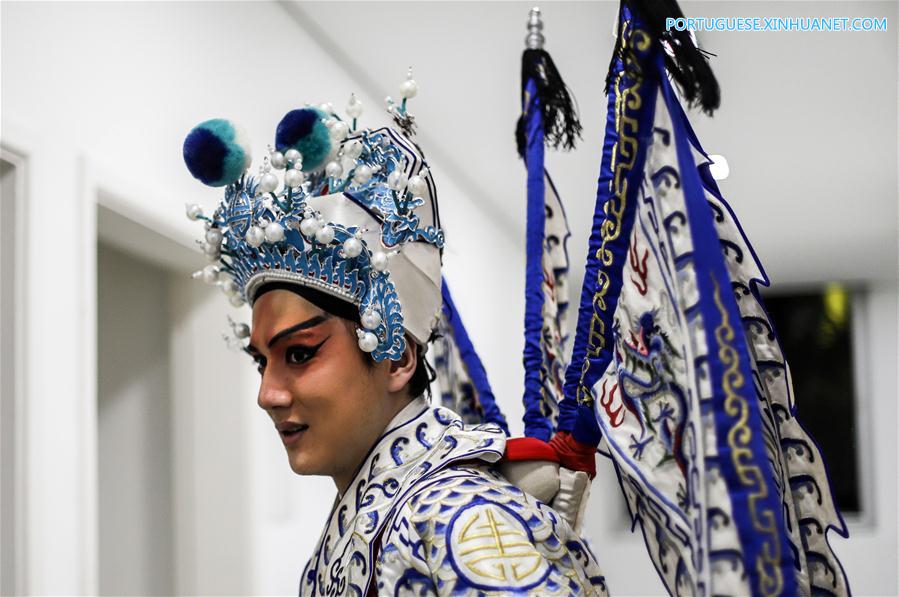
368 342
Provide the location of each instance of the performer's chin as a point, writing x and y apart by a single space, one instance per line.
301 458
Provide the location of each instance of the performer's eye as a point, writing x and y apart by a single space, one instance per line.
297 355
260 364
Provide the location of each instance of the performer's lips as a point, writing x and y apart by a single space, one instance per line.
291 432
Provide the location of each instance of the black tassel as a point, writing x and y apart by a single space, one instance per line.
560 115
689 65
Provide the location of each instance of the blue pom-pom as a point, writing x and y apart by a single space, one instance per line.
305 131
216 152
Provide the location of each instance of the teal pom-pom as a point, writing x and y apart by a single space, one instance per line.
217 152
304 130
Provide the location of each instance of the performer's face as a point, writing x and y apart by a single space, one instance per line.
328 403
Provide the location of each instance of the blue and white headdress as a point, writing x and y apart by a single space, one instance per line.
345 211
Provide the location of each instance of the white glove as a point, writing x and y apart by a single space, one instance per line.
571 499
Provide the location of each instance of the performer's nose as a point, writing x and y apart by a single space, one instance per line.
272 394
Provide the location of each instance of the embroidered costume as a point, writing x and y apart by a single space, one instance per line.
675 372
428 513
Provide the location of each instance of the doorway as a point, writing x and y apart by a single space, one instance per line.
135 503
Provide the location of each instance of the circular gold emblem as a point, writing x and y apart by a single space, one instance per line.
492 548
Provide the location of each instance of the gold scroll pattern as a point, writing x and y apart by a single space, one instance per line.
764 521
624 156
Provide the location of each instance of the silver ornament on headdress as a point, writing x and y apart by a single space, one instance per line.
534 39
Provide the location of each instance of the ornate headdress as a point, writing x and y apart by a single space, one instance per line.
345 211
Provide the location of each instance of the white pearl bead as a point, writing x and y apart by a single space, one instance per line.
334 169
194 211
368 342
327 108
268 182
719 168
278 160
409 88
309 226
294 178
292 155
325 235
255 236
212 252
242 330
362 174
396 180
340 130
371 320
214 236
236 301
353 149
379 261
229 288
274 232
352 247
417 186
210 274
354 107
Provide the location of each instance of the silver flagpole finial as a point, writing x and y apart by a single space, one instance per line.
534 39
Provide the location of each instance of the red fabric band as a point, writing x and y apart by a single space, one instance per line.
529 448
574 455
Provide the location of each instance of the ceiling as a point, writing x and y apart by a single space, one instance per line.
807 122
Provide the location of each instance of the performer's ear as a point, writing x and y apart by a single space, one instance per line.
401 371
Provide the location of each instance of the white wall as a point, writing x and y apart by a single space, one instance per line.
100 96
11 396
212 412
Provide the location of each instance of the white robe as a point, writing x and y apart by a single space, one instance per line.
428 514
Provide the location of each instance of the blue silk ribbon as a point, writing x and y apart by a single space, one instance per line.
472 362
536 423
577 416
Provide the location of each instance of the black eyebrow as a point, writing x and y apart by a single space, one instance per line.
305 325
